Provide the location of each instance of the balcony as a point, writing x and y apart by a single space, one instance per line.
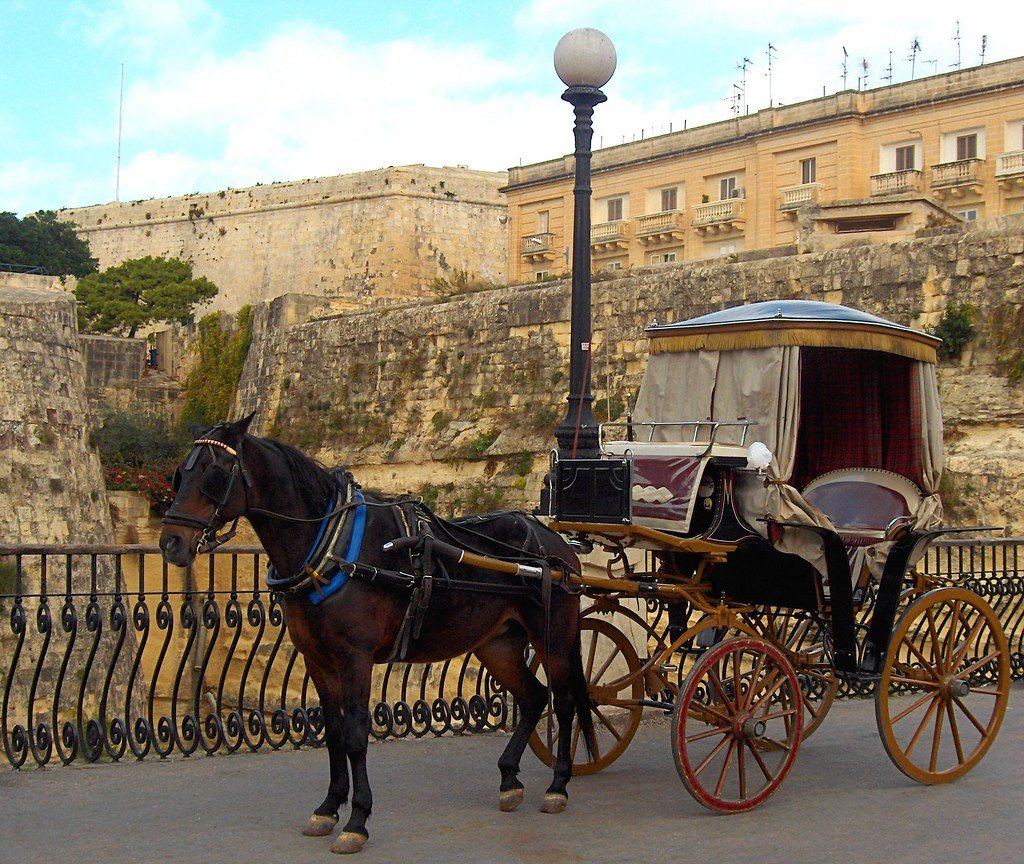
538 247
663 227
1010 170
794 197
895 182
956 179
720 217
609 236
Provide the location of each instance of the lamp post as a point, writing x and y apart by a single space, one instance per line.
585 61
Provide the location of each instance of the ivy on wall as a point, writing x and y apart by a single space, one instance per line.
221 348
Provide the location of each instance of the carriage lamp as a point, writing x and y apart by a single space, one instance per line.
585 61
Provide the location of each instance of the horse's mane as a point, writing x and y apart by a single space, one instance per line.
312 479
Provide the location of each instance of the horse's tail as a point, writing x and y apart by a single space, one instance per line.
580 695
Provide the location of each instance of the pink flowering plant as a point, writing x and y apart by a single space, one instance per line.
153 484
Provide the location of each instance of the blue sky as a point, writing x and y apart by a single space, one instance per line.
226 93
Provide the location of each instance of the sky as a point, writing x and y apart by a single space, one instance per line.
224 94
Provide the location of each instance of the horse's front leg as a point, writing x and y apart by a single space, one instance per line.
326 816
355 733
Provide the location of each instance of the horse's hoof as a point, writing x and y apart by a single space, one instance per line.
320 826
554 802
349 842
510 799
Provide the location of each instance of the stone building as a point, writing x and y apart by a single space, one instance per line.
358 239
852 166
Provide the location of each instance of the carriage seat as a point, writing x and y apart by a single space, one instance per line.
863 502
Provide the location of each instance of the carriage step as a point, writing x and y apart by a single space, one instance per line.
657 703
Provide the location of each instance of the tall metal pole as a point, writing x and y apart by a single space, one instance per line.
577 434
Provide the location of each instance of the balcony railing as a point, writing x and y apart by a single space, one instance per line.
956 178
660 227
609 235
895 182
538 246
720 216
794 197
1010 168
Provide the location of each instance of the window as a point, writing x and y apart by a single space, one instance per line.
669 199
727 188
612 266
543 221
970 215
614 209
662 257
966 146
541 275
727 249
808 170
905 158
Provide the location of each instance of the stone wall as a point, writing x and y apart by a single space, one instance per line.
51 483
458 399
360 239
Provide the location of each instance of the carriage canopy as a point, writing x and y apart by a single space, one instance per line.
827 388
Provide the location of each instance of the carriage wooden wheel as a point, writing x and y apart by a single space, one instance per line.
806 641
944 687
737 724
616 686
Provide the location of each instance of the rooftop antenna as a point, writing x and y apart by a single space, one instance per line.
935 65
772 51
984 45
742 66
956 39
864 68
915 46
845 56
120 117
887 77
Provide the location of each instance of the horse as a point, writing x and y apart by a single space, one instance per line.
405 584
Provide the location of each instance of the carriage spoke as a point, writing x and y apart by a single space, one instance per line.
970 716
606 722
955 730
954 623
591 655
707 733
913 707
766 743
741 767
961 652
720 688
936 738
978 664
920 729
928 665
789 712
706 713
604 666
725 767
777 682
760 762
754 676
920 683
726 738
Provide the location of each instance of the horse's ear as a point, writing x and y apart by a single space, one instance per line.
242 426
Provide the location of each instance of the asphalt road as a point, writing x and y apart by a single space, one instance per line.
436 801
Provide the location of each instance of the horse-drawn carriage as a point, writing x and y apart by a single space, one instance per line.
779 479
781 474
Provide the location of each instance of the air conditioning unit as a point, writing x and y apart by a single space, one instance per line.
739 193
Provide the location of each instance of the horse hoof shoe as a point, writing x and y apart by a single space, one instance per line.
348 843
510 799
554 803
320 826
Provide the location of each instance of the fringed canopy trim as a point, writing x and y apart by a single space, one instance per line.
817 334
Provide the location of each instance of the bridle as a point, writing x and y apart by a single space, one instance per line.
217 484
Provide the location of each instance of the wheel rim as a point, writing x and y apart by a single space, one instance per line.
944 687
737 725
612 667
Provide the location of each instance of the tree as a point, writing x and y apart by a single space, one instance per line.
41 240
121 299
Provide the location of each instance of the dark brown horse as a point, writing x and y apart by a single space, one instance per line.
345 612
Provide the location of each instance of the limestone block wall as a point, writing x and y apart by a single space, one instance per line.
359 238
51 483
458 399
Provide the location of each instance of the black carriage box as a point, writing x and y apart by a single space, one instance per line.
593 490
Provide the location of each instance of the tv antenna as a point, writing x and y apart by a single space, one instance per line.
845 57
956 39
887 77
771 52
743 65
984 45
915 46
864 69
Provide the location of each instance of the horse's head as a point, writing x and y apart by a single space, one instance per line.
211 490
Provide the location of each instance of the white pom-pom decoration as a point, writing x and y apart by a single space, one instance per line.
759 457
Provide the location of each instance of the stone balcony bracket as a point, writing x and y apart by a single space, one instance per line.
792 198
654 229
720 217
538 247
895 182
957 179
609 236
1010 170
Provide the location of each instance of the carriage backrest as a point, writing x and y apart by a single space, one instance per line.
862 502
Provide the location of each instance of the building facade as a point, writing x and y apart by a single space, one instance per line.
849 167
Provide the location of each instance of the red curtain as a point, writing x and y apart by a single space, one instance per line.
858 409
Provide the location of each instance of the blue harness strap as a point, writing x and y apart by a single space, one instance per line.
322 592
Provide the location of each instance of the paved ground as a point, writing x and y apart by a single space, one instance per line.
435 801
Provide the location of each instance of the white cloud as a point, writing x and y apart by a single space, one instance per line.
148 30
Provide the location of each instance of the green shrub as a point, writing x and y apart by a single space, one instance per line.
138 440
955 329
222 347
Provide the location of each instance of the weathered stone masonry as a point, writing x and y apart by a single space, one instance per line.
448 396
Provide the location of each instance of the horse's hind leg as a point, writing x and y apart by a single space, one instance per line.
557 798
355 737
505 658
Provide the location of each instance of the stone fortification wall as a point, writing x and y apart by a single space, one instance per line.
458 399
51 483
357 238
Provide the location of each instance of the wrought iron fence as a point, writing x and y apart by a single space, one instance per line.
110 654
